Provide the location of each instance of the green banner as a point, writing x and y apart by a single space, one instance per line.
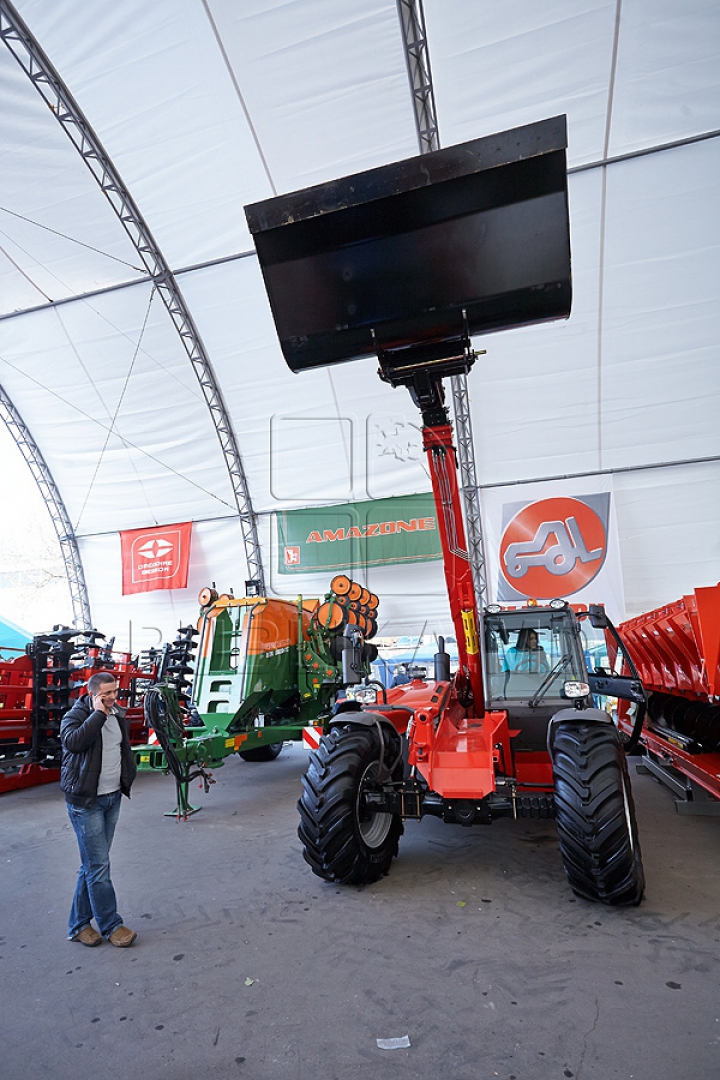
352 536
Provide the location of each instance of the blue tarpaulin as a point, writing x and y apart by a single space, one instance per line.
13 639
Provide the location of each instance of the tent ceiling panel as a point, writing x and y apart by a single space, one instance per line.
323 436
206 107
660 390
325 84
536 60
58 234
534 395
151 80
668 76
669 528
131 441
493 73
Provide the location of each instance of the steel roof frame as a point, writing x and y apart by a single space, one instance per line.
52 89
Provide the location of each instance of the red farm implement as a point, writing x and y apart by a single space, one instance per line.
39 685
676 650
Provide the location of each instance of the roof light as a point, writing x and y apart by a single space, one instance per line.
531 603
558 604
493 609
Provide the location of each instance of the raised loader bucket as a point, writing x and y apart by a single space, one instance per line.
461 241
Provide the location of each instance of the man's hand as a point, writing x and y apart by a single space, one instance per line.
104 702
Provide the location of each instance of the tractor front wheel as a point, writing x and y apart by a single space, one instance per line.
595 812
344 839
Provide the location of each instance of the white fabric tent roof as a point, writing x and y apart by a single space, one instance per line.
204 106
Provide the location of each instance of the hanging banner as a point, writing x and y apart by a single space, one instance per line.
554 539
353 536
155 558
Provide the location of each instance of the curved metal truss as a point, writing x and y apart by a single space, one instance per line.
51 88
56 507
417 56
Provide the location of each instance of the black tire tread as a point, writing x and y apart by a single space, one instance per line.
593 802
332 844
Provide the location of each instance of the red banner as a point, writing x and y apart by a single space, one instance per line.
155 558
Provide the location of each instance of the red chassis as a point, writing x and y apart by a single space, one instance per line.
676 649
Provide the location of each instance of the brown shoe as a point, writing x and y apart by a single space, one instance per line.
88 936
122 937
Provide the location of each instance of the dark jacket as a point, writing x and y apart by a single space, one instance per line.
81 737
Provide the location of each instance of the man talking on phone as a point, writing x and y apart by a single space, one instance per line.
97 769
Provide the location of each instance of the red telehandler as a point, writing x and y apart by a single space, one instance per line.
405 262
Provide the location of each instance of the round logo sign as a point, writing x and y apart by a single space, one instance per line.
553 548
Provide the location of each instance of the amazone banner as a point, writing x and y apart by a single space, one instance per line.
357 535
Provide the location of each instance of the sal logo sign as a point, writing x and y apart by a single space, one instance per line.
553 547
155 558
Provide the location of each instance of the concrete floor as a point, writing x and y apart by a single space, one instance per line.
248 966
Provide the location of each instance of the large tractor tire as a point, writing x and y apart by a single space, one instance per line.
594 811
262 753
344 841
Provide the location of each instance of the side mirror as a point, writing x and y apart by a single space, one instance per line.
597 617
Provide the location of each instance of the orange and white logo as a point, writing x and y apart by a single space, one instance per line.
553 547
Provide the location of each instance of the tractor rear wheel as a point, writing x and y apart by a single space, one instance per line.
595 813
262 753
343 839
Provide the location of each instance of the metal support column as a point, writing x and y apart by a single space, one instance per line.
417 56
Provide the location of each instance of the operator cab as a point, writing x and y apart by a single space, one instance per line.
530 656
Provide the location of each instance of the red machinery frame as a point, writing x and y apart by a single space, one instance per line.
457 746
39 685
676 649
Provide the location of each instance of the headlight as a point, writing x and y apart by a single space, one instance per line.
365 694
575 689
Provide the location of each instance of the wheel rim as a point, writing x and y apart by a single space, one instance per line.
628 815
373 826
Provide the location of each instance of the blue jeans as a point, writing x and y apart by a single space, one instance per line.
94 892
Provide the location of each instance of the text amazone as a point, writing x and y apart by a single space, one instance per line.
363 532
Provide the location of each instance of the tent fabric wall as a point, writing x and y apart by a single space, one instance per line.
207 105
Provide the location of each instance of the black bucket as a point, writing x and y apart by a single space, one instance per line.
466 240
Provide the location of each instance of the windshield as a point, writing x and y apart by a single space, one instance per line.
529 650
219 684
